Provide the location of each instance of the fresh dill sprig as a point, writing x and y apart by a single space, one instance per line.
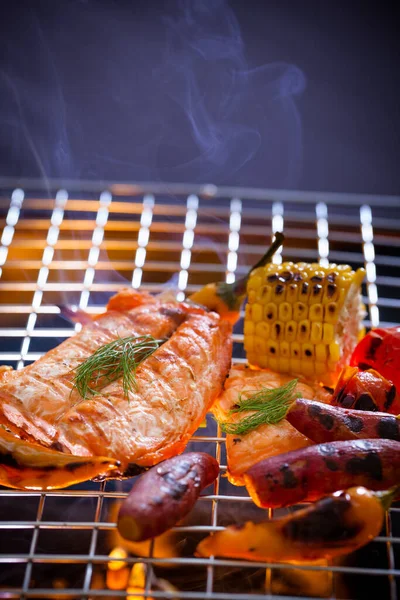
268 406
112 361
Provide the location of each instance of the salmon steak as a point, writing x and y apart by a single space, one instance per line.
174 387
243 451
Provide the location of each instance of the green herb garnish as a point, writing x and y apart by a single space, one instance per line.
268 405
118 359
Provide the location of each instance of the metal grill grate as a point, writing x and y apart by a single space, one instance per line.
76 244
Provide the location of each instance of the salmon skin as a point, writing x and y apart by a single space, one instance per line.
175 386
243 451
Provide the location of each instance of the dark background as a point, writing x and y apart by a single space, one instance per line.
274 94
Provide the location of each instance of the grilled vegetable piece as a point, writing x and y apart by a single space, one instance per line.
365 390
380 350
226 298
165 494
311 473
303 318
324 423
28 466
335 525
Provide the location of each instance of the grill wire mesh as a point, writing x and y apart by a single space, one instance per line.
76 244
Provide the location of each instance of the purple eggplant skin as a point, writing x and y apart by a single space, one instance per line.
326 423
310 473
165 494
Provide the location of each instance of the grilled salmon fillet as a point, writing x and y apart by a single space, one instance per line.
33 399
243 451
175 386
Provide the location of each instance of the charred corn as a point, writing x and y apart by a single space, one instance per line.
308 318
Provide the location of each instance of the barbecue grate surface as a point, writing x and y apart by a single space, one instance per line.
75 244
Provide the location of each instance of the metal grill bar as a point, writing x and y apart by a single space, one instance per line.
141 235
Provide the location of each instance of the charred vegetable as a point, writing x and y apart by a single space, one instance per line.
311 473
365 390
165 494
333 526
226 298
325 423
29 466
319 422
380 350
303 318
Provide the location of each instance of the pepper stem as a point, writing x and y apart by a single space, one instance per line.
387 497
233 293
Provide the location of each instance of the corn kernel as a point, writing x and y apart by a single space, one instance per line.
259 346
291 331
248 328
273 363
279 293
321 353
346 279
270 311
331 312
295 350
262 329
316 293
292 293
249 343
285 311
316 313
300 311
307 351
334 351
284 365
262 361
303 331
272 348
307 368
331 293
284 349
254 283
277 330
328 333
316 332
257 313
304 292
320 367
251 297
264 294
295 365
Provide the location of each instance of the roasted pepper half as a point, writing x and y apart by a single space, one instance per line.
380 350
226 298
365 390
335 525
28 466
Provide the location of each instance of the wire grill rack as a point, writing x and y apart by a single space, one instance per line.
76 243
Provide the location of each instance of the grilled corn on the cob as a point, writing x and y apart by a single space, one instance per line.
303 318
